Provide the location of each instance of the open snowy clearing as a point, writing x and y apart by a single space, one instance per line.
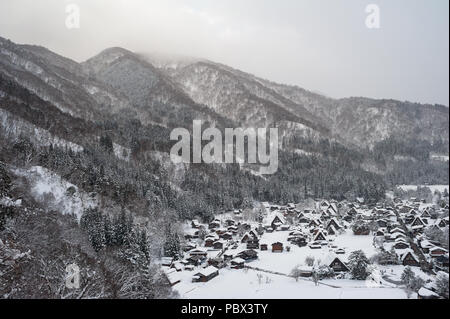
433 188
237 284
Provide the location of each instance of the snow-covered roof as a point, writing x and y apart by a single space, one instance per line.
409 251
238 260
207 271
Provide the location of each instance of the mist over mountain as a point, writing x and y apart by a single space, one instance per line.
97 135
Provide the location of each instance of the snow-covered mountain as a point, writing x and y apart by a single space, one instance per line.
248 99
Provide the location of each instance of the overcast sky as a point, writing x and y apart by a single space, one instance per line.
321 45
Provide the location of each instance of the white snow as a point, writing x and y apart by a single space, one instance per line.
236 284
433 188
51 189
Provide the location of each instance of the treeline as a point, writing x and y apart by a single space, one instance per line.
419 150
36 246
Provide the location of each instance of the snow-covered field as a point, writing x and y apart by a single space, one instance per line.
235 284
250 283
286 261
432 188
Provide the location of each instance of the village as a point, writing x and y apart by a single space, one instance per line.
306 250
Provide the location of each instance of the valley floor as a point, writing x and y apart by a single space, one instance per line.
244 284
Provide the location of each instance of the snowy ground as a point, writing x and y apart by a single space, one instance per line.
432 188
286 261
235 284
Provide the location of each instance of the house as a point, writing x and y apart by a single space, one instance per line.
218 244
396 230
237 263
303 219
382 223
246 238
227 236
277 221
425 245
437 251
319 236
277 247
352 212
172 276
209 242
418 222
202 252
195 260
216 262
441 261
248 255
178 266
333 223
337 265
253 244
401 244
409 259
340 251
229 222
425 214
314 223
441 223
206 274
166 261
214 224
263 247
227 256
331 230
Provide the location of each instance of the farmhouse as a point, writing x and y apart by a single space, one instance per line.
437 251
334 223
219 244
166 261
401 244
237 263
277 247
172 277
198 252
206 274
319 236
248 255
409 259
337 265
418 222
331 230
253 244
277 221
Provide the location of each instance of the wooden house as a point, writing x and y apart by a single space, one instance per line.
248 255
237 263
337 265
409 259
206 274
253 243
277 247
